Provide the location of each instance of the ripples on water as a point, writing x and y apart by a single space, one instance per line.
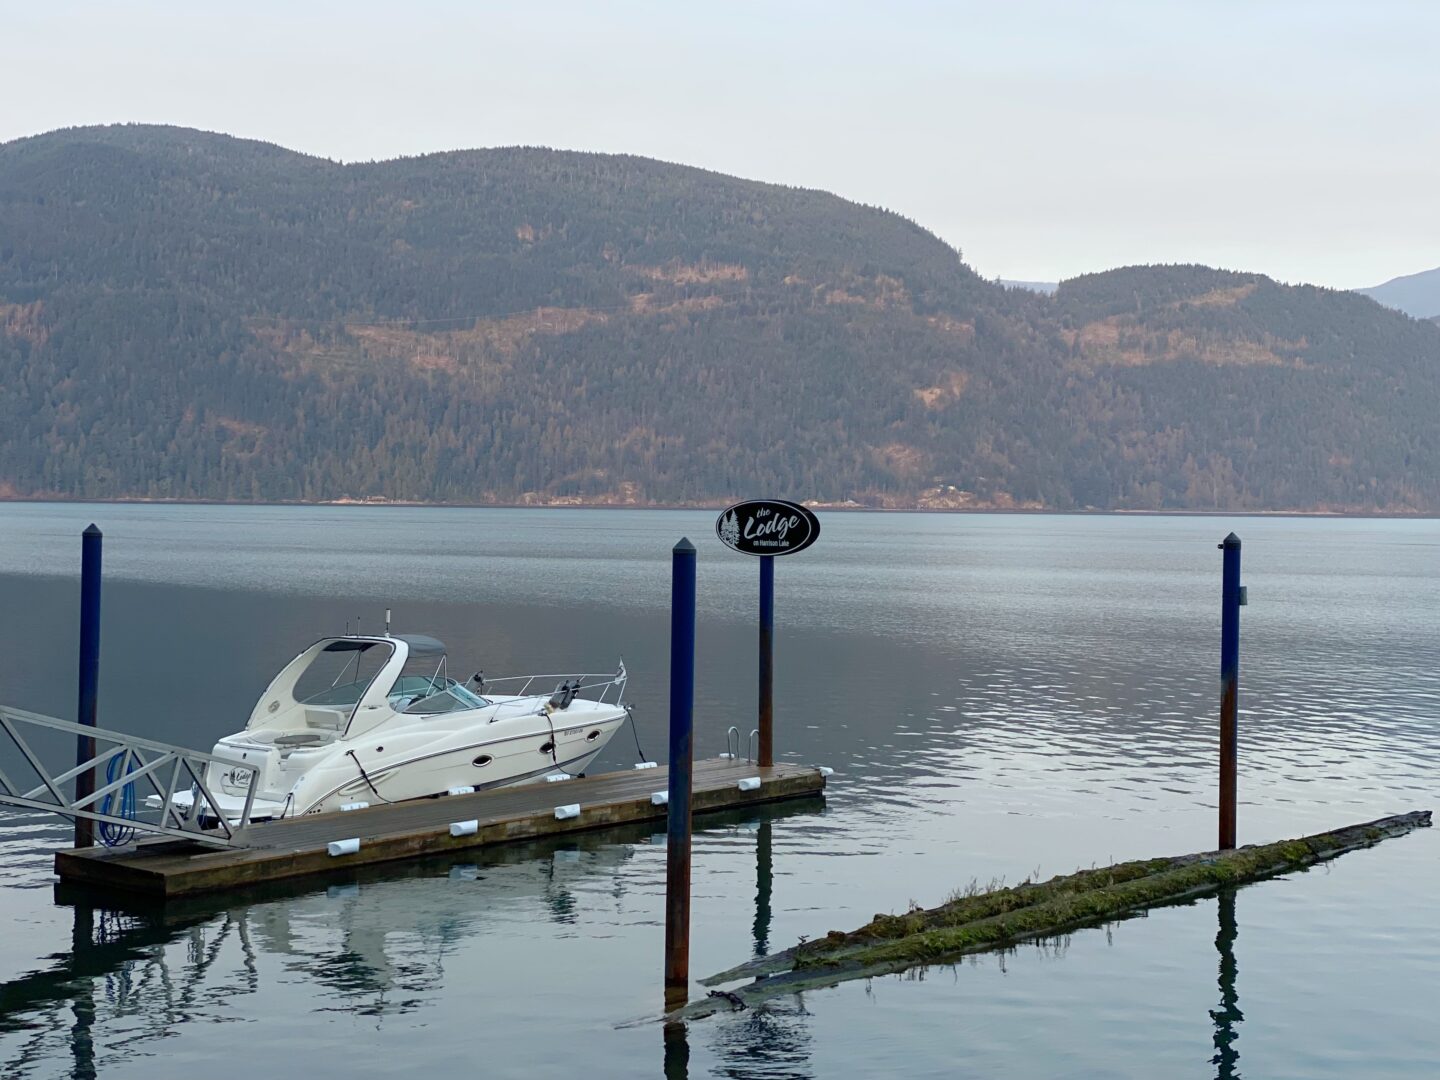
997 694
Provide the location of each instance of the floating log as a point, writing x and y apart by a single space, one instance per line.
1000 918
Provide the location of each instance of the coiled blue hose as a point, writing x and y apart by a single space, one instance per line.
112 835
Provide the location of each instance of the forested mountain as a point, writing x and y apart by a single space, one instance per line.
187 315
1414 294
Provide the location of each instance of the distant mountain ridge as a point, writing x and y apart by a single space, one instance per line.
1414 294
188 315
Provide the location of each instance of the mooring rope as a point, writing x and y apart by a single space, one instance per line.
630 715
366 776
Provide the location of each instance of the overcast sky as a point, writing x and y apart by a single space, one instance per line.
1044 140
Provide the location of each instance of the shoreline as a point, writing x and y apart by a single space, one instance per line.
717 505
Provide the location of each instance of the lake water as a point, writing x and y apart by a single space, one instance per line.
997 695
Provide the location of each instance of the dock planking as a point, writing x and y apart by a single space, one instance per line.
296 847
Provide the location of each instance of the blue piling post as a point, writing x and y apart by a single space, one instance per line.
767 660
1229 686
682 760
90 544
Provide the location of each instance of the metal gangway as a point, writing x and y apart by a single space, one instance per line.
123 761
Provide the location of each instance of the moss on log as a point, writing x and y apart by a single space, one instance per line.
1000 918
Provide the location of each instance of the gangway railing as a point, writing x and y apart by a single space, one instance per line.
166 769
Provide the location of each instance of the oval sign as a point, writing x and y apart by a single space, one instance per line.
767 527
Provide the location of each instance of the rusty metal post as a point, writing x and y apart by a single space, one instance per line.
85 713
767 661
1229 686
682 760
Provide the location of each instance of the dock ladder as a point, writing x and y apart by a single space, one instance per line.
732 744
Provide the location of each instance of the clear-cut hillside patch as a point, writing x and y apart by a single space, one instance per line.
1123 341
945 392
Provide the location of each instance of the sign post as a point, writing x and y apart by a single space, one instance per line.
767 528
767 660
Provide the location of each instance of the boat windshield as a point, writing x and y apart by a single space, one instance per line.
340 674
426 695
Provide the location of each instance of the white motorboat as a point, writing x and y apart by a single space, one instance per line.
377 720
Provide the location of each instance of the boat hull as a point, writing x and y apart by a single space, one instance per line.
418 761
515 759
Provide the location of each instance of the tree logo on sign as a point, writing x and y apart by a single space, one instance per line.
730 530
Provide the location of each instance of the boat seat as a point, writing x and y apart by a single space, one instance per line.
300 738
325 719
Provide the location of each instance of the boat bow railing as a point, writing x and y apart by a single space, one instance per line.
141 762
583 685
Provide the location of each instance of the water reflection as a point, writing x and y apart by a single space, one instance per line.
764 884
82 1042
374 943
677 1051
770 1043
1227 1056
371 941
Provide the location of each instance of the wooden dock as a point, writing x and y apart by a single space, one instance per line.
296 847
